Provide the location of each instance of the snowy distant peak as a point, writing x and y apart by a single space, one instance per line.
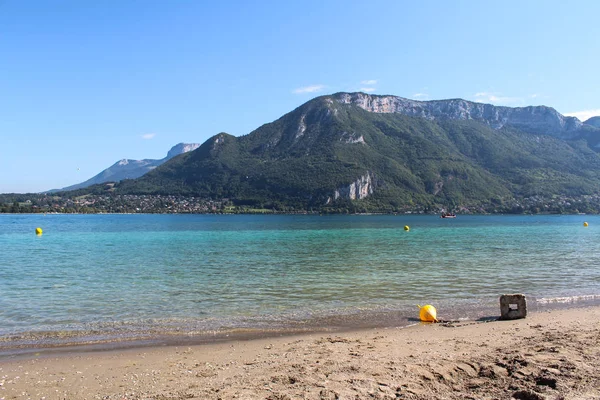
181 148
534 119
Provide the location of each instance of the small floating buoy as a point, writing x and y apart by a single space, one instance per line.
427 313
38 231
585 224
406 228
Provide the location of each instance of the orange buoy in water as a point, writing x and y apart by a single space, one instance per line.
427 313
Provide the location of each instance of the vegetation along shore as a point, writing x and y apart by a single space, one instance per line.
170 204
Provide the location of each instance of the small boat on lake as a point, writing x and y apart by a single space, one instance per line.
448 215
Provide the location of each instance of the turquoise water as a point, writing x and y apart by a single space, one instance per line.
114 277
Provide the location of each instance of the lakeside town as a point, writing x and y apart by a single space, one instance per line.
171 204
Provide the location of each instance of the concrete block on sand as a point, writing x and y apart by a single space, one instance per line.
513 306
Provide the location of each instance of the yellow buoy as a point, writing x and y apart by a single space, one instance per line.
406 228
38 231
585 224
427 313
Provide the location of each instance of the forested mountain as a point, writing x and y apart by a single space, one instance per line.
388 153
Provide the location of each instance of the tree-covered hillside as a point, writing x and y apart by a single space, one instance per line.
398 161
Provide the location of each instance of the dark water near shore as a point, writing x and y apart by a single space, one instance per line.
110 278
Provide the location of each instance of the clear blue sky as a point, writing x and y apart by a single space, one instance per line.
86 83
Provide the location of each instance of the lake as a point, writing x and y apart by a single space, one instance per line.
134 278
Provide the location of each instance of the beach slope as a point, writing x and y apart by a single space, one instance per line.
549 355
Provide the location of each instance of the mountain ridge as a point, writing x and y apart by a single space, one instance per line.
594 121
387 153
545 119
129 168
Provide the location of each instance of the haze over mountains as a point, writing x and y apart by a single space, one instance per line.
388 153
131 169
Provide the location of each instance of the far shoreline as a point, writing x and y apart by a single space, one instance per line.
308 213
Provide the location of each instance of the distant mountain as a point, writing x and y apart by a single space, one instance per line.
594 121
131 169
388 153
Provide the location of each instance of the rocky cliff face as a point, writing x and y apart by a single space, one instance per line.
532 119
356 190
181 148
131 169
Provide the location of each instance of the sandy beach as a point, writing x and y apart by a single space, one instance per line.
548 355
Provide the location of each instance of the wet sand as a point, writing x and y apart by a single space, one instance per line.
549 355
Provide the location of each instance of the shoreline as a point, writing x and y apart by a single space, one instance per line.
20 345
308 213
549 354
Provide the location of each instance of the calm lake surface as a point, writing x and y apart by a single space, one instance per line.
106 278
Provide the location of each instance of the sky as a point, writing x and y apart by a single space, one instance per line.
84 84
